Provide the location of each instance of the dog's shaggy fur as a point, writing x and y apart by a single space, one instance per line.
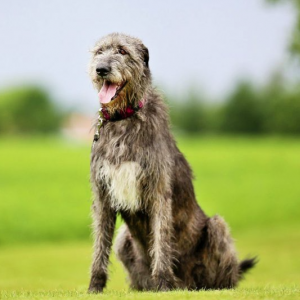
167 241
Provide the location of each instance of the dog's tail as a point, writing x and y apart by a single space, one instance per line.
246 265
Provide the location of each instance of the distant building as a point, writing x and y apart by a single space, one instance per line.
78 126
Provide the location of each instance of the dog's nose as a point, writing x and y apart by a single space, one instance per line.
103 70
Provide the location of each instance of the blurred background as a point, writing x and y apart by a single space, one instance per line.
229 71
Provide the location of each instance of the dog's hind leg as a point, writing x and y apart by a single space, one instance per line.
133 261
217 267
222 258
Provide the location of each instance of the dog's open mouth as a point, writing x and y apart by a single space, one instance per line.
110 91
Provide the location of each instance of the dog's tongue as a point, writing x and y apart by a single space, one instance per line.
107 91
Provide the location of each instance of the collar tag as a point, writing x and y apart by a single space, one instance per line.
99 125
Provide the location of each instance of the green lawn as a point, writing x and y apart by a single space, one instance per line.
45 245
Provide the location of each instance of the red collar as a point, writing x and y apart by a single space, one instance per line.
122 114
104 116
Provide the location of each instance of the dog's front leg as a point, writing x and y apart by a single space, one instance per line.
104 225
161 252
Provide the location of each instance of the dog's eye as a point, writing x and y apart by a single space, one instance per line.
99 51
122 51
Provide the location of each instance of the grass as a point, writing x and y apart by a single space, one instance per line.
45 245
258 293
61 270
44 184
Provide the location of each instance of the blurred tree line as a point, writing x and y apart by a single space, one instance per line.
271 109
28 109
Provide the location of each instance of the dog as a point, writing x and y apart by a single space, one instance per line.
137 171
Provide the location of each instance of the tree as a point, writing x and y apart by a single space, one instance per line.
189 114
28 109
242 110
281 105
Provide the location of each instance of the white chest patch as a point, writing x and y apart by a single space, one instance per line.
123 184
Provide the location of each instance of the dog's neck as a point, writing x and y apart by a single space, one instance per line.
121 114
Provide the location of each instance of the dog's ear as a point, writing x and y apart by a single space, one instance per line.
145 55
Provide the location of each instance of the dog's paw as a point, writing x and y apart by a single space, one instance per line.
95 290
97 284
164 284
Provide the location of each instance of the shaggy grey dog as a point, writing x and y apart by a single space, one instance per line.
167 241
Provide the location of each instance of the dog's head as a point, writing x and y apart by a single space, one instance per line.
119 69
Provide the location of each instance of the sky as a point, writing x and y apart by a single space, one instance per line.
206 44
